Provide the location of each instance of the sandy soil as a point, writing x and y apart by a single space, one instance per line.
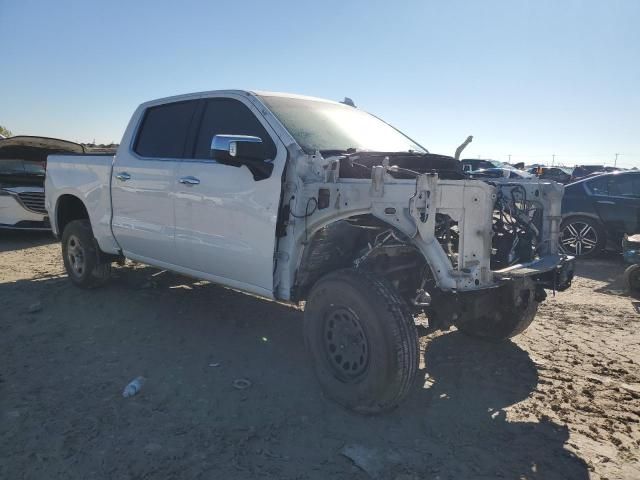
562 401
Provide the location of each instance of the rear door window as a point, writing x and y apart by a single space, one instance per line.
164 129
227 116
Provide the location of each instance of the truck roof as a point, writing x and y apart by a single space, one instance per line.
261 93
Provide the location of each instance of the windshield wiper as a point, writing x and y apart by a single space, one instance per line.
339 151
352 150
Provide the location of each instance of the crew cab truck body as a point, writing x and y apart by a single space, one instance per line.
301 199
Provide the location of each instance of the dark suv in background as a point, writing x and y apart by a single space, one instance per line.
598 211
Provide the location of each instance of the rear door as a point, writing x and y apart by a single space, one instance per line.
144 180
617 201
226 220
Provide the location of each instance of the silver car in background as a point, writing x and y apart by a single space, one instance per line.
23 161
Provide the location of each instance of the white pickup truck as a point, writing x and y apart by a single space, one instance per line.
302 199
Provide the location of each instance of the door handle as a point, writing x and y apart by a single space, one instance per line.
606 202
123 176
189 181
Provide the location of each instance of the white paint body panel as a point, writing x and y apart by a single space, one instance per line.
86 177
226 224
143 219
12 212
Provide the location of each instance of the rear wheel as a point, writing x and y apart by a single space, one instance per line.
81 255
581 236
362 340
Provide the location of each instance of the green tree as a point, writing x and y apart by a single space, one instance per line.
5 131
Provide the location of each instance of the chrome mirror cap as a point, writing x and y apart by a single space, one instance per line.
229 143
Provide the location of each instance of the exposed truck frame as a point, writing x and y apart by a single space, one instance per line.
365 252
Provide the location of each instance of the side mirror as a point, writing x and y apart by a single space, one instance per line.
238 150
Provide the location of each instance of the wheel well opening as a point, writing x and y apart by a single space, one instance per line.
69 208
362 241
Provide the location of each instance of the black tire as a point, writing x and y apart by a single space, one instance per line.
362 339
582 237
511 316
82 256
632 277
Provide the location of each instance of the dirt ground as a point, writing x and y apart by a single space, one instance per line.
562 401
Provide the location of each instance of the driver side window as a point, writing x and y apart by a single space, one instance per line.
231 117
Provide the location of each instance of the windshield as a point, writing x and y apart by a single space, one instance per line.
325 126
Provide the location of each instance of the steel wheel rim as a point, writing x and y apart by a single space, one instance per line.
76 256
346 345
578 238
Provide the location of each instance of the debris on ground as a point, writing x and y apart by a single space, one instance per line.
35 307
374 462
241 384
133 387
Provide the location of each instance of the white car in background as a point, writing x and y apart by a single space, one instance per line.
22 171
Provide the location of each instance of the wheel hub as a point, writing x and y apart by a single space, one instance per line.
76 255
345 344
578 238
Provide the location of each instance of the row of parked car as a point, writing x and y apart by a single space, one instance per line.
598 209
600 205
480 168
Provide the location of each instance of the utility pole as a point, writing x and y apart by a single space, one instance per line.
615 162
509 158
553 159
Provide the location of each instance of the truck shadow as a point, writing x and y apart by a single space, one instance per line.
20 239
192 340
606 267
468 385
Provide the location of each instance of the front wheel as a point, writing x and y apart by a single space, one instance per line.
362 339
81 255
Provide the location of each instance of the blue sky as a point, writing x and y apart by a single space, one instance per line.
526 78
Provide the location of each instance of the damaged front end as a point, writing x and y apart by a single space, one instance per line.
524 262
470 253
518 240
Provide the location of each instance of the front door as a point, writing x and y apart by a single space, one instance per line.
226 220
143 183
618 203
